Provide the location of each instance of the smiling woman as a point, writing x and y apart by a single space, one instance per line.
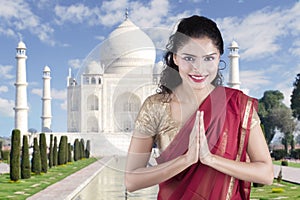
209 137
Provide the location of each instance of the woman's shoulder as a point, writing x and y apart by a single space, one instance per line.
157 99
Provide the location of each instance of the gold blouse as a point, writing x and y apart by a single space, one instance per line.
155 119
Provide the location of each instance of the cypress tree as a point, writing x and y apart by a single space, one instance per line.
25 163
15 155
88 149
36 158
76 150
61 151
51 151
69 152
66 149
43 152
55 156
82 148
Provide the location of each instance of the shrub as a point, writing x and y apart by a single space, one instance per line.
55 156
43 152
50 157
258 185
76 150
25 163
69 152
36 158
82 152
15 155
66 149
284 163
277 190
5 155
295 153
61 151
278 154
88 149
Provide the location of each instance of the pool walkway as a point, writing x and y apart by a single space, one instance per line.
70 186
67 188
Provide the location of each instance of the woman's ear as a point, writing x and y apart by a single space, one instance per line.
175 59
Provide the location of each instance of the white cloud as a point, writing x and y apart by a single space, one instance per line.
38 92
75 63
16 16
259 33
5 72
59 94
254 80
63 106
3 89
55 94
6 107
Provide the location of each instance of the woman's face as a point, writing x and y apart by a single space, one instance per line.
198 62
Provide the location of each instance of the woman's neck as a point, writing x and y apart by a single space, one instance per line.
185 94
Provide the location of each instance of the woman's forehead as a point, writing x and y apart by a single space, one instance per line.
199 46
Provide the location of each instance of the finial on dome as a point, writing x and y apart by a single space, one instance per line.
126 13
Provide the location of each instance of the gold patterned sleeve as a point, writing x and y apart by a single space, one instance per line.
147 121
255 119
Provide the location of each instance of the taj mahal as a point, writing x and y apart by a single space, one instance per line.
104 98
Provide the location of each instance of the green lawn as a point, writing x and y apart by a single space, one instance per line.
291 164
27 187
282 190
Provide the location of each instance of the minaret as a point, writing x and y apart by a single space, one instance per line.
234 76
46 115
21 107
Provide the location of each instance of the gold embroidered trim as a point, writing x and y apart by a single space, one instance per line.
241 146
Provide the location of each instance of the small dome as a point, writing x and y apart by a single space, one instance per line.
21 45
47 69
234 44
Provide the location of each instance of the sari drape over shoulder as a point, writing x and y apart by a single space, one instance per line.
227 119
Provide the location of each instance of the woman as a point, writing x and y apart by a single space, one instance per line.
205 132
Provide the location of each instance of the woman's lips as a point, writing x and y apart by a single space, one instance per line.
197 78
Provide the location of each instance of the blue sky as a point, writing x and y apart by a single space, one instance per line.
60 34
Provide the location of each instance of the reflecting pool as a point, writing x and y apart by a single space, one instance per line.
109 184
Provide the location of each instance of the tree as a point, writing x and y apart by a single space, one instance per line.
51 151
88 149
282 119
295 98
36 166
69 152
15 155
271 99
55 156
76 150
62 151
82 152
43 152
25 162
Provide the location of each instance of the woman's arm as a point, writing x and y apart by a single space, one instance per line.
138 175
260 167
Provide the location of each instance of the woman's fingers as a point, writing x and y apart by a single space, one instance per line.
204 149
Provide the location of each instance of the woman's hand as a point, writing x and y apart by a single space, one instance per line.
204 152
194 142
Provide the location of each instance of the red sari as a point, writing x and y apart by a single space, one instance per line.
227 119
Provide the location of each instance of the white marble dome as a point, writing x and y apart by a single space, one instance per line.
127 48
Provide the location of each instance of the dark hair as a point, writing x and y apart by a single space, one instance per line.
191 27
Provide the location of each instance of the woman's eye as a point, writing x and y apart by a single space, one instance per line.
209 58
189 59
